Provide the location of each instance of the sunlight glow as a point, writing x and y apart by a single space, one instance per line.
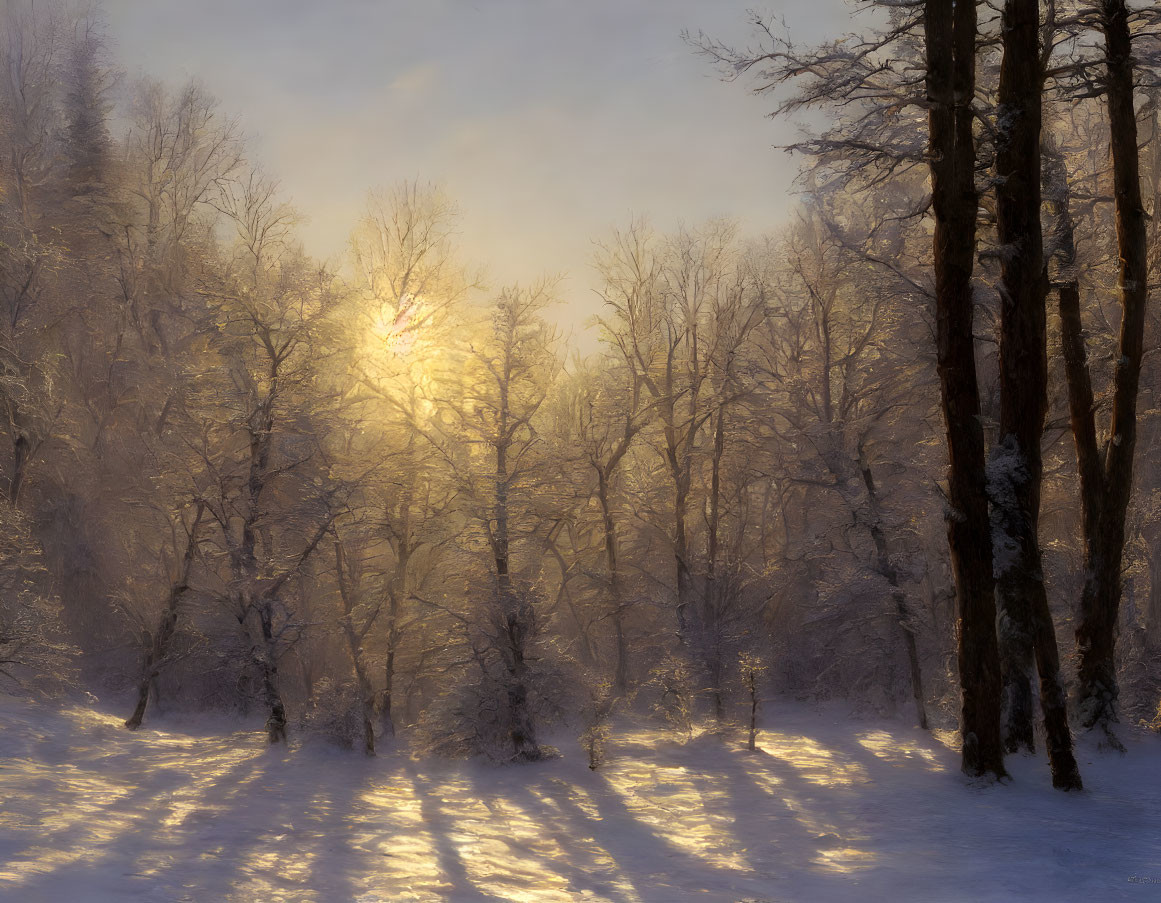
396 329
898 751
689 813
815 763
845 859
155 805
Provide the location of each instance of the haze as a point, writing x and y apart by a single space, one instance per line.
549 123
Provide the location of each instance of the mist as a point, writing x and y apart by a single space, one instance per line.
610 451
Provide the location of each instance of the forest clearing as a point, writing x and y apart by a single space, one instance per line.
618 451
826 809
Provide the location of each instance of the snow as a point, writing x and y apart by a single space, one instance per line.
828 809
1007 471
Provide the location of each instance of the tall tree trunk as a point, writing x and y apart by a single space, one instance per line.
21 449
1016 472
354 638
1081 401
522 727
268 658
1153 605
712 628
950 36
515 607
891 575
751 679
621 669
681 556
1106 500
621 673
396 593
158 649
387 697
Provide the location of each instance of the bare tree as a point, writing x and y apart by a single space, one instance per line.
1107 476
272 504
506 380
841 370
160 641
409 287
31 56
611 414
658 298
923 61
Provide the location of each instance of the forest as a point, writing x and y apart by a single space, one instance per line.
897 459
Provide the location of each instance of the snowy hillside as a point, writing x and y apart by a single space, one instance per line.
825 811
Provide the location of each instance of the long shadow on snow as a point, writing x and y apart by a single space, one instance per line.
451 862
215 843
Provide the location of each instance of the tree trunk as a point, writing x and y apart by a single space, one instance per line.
268 656
620 673
753 687
134 720
712 596
1153 605
950 36
1016 467
515 608
397 592
1026 629
891 575
386 698
681 558
518 619
355 650
20 453
159 648
1105 515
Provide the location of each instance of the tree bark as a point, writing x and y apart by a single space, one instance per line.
1106 500
891 575
621 670
681 551
396 593
950 36
711 619
167 626
21 449
516 611
354 640
1026 629
268 656
387 697
752 686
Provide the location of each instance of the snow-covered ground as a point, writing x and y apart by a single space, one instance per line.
829 809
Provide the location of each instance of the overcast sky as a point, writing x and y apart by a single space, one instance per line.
549 121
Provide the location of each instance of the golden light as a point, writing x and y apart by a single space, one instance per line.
398 348
395 327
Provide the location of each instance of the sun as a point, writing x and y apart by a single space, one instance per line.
394 327
401 354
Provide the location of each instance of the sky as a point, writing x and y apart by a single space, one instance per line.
550 122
